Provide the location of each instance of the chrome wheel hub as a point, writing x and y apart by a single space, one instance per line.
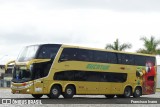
69 91
55 91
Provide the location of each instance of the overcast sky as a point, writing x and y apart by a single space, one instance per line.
91 23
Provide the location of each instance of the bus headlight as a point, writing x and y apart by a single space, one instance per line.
28 90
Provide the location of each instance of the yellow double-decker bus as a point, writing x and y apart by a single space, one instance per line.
55 69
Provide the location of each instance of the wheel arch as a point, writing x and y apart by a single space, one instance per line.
129 87
70 84
58 84
138 87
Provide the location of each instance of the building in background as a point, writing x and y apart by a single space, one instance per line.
5 77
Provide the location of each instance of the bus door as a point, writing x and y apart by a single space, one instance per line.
38 86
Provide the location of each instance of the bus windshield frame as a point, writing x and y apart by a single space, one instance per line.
36 70
28 53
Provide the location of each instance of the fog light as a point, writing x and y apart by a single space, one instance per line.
28 90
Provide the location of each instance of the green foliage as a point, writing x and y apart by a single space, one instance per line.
150 46
117 46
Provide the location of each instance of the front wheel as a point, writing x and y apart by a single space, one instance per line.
69 92
37 96
137 92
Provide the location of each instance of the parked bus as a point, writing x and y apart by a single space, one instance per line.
55 69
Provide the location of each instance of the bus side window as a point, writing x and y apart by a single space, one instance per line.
125 59
84 55
59 76
112 57
151 59
48 52
140 60
68 54
100 56
80 76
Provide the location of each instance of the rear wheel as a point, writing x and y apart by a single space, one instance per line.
109 96
137 92
127 92
54 92
37 95
69 92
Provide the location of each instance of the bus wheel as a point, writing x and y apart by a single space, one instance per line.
55 92
109 96
69 92
137 92
37 95
127 92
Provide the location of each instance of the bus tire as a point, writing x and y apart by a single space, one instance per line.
137 92
127 92
54 92
37 96
69 92
109 96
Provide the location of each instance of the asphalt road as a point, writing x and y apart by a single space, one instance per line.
87 100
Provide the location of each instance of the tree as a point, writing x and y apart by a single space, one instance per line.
150 46
116 46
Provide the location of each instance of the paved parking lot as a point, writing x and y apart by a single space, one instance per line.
83 100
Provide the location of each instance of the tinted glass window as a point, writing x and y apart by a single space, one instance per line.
151 59
68 75
90 76
94 76
100 56
76 54
47 52
104 57
125 59
84 55
41 69
111 57
59 76
140 60
68 54
80 76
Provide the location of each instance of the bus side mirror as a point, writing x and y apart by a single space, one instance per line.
10 62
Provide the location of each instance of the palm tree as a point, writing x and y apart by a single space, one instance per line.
150 46
116 46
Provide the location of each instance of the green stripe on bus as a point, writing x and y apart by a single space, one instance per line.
97 66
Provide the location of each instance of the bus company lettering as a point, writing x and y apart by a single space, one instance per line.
97 66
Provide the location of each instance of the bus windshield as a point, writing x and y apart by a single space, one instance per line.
20 75
36 70
28 53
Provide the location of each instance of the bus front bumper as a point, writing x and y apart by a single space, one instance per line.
20 89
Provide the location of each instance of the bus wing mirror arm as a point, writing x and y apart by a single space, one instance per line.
10 62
